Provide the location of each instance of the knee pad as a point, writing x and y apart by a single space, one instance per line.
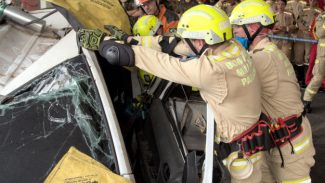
117 53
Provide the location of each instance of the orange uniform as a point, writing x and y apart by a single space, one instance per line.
169 19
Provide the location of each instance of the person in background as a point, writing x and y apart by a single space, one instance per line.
273 4
147 25
134 12
292 157
226 5
284 26
319 68
180 6
304 23
296 7
168 18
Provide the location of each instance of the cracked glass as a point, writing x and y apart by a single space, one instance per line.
41 120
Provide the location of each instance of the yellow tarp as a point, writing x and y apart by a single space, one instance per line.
76 167
94 14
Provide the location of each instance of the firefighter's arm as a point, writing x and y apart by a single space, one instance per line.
320 26
170 45
190 72
147 41
321 50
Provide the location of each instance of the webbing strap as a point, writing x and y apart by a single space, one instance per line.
167 47
190 44
290 130
262 136
251 38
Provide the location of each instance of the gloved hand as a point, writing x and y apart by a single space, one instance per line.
90 39
117 33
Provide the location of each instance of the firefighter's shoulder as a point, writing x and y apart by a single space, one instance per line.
232 51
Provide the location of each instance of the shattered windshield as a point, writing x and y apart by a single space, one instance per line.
40 121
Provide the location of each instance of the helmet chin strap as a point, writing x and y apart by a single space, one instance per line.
196 52
144 11
249 37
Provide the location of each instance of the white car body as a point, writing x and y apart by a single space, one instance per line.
19 73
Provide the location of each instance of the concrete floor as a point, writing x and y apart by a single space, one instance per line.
317 120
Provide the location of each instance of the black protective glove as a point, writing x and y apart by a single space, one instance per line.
90 39
117 33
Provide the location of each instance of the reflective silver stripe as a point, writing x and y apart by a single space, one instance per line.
244 162
311 91
303 180
254 158
302 146
146 42
235 50
199 13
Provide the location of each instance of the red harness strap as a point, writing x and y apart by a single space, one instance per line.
263 135
286 129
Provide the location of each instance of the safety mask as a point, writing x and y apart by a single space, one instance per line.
243 41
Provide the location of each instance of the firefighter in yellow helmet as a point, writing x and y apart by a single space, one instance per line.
168 18
292 160
228 81
223 72
147 25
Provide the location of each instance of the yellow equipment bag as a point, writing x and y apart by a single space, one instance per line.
77 167
94 14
